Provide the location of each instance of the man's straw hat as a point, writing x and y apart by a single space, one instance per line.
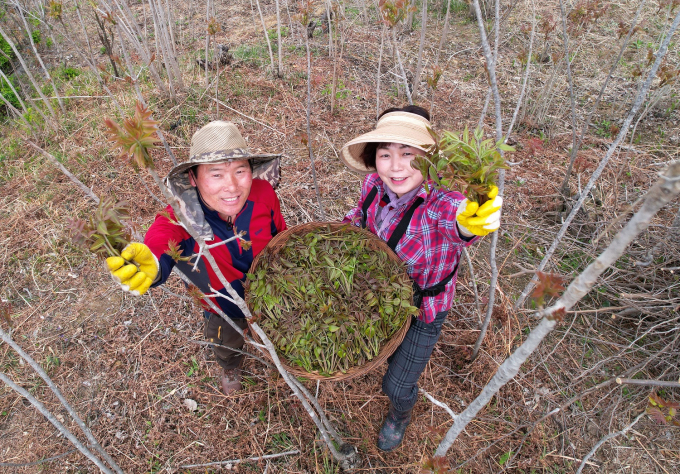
218 142
394 127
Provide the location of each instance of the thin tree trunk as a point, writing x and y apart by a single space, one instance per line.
88 434
159 134
661 194
266 37
28 73
39 58
442 41
207 40
138 41
169 55
91 61
491 67
642 93
401 66
162 46
572 98
330 30
419 66
16 112
309 128
379 73
526 75
14 91
279 73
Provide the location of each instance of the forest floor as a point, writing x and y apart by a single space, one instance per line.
128 364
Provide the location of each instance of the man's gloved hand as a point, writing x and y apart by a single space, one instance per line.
474 219
135 278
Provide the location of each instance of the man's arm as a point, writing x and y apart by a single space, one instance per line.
162 232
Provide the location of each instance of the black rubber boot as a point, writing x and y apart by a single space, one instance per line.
392 431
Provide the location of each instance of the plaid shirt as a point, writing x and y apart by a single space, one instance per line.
431 246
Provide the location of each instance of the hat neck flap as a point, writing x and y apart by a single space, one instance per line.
190 204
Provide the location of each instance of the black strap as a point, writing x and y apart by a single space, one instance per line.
399 231
367 203
419 293
403 224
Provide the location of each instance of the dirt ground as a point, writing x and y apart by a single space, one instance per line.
129 364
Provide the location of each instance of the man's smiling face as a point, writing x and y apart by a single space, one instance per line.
224 187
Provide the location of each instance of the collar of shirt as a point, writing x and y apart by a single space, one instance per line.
386 213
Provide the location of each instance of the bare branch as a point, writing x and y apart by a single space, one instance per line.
90 437
88 192
605 439
232 462
50 417
439 404
652 383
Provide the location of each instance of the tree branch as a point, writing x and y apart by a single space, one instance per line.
605 439
88 192
50 417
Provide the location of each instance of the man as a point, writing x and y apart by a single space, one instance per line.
221 195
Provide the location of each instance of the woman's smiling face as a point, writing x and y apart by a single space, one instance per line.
393 164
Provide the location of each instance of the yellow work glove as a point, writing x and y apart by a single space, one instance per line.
135 277
474 219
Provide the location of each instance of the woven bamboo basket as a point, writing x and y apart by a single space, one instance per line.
374 243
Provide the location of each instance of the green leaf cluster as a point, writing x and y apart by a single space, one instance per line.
104 234
463 162
327 301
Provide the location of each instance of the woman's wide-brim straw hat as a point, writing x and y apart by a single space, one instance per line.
219 142
394 127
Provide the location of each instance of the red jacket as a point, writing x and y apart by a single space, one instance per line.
260 217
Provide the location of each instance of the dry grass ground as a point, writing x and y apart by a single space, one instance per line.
127 364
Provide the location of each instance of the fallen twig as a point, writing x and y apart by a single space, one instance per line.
439 404
653 383
35 463
88 192
607 438
237 461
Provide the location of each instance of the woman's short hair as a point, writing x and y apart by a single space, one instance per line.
370 149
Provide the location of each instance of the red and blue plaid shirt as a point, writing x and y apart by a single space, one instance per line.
431 246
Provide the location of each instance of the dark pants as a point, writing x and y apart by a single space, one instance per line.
400 382
218 331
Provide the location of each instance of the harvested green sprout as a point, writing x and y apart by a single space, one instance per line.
328 301
105 233
463 162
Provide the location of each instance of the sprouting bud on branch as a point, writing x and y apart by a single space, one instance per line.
213 27
433 79
136 137
395 11
55 9
550 285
